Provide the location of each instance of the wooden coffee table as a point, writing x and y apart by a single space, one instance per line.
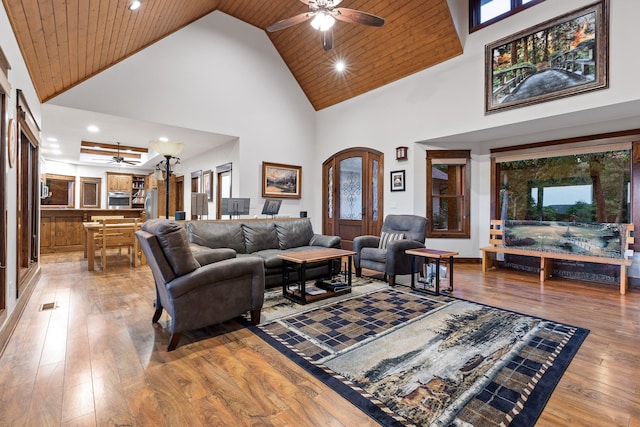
298 261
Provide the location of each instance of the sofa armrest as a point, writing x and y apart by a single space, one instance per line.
206 255
361 242
326 241
397 260
218 272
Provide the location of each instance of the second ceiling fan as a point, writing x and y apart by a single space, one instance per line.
324 14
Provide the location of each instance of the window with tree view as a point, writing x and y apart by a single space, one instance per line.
590 187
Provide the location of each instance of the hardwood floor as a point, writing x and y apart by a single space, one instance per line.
96 359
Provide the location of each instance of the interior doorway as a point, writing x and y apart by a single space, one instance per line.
180 193
223 186
352 194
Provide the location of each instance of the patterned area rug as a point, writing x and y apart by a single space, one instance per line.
412 359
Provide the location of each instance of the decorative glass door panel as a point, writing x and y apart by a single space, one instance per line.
351 188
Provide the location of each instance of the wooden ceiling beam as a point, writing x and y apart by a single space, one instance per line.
110 153
105 146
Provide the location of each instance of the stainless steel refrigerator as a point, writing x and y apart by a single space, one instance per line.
151 203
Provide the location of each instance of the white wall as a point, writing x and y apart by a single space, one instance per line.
19 79
445 103
218 75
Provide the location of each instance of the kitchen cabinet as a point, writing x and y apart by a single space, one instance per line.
119 181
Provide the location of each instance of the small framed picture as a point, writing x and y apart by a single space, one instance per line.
397 181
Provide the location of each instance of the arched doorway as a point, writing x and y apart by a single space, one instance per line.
352 194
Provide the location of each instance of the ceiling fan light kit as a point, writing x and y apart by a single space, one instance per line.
324 14
323 21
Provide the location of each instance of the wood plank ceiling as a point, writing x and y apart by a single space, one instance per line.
65 42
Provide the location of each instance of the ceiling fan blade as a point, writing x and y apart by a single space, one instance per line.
327 39
129 162
290 22
315 2
357 17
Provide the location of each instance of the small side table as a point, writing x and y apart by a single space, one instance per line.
427 254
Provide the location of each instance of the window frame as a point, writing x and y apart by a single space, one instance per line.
459 158
71 192
85 183
474 13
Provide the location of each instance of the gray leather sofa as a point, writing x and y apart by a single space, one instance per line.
263 239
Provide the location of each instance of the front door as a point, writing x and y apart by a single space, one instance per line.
352 194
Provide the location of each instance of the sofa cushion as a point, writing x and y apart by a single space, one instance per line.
174 243
374 254
295 233
259 236
217 235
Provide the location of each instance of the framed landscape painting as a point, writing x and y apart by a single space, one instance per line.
565 56
281 181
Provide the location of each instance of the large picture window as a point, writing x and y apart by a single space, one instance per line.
587 187
448 184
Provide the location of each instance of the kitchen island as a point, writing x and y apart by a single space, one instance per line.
61 229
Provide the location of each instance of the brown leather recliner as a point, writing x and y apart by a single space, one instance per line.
198 291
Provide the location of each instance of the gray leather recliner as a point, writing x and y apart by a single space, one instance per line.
392 260
198 291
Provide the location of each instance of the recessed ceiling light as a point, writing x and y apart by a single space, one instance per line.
52 139
93 128
135 4
340 66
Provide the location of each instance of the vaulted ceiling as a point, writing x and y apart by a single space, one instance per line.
65 42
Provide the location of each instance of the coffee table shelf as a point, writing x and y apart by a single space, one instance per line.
298 261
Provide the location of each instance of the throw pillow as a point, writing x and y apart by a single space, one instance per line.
385 238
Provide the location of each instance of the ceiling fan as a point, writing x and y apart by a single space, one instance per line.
119 159
324 14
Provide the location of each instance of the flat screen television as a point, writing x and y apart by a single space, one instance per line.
271 207
235 206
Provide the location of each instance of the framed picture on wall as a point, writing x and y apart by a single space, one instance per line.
207 184
397 181
281 181
564 56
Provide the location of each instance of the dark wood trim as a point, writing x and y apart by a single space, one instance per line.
602 137
494 193
635 188
465 232
26 120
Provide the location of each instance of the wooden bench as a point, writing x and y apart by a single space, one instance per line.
497 241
